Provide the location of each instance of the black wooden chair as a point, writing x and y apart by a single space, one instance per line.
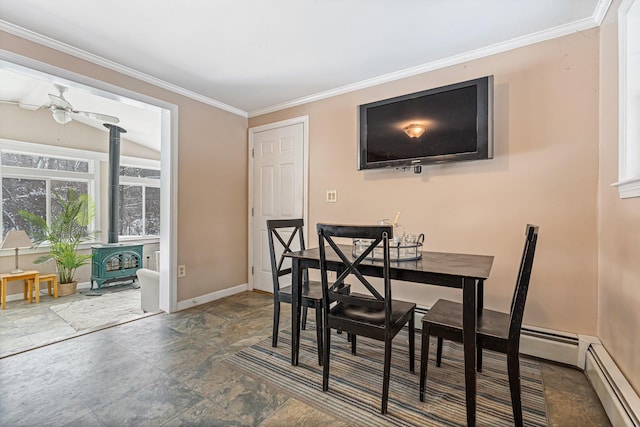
496 331
311 290
371 315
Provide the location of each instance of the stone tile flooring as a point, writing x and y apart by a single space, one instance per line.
24 326
166 370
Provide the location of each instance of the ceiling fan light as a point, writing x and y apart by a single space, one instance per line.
61 116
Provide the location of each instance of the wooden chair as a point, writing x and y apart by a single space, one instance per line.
311 293
372 315
496 331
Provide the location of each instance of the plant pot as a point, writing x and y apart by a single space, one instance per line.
65 289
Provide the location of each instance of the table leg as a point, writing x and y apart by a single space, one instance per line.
3 293
296 283
36 285
469 340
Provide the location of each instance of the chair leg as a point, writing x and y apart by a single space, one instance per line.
424 360
304 318
387 373
325 359
319 333
353 343
412 342
479 356
439 352
276 322
513 367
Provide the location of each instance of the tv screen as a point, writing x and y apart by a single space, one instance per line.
445 124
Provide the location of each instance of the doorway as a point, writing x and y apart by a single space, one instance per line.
168 158
278 187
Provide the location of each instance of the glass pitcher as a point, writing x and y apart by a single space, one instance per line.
398 232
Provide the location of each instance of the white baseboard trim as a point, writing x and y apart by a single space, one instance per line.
619 399
203 299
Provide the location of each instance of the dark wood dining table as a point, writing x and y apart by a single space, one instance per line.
453 270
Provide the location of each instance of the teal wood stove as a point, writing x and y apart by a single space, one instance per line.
115 262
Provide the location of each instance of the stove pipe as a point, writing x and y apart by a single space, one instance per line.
114 180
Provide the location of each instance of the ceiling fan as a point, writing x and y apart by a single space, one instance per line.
62 110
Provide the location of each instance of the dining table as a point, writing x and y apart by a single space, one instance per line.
454 270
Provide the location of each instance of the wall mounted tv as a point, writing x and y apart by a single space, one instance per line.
446 124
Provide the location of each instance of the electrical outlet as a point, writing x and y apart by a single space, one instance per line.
332 196
182 270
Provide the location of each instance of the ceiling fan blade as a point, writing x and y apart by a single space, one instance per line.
60 102
98 116
30 107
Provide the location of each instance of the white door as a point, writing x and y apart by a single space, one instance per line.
278 190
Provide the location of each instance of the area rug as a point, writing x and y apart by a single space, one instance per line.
355 383
109 309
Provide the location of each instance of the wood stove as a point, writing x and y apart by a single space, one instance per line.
115 263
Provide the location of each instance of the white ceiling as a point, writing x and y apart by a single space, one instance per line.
253 56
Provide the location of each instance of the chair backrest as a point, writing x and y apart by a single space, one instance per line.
379 235
522 285
276 230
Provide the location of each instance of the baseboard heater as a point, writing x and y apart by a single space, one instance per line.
619 399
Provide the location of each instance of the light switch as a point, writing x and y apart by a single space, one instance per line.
332 196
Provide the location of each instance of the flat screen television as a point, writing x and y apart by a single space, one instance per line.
446 124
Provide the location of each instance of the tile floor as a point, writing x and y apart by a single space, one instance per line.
165 370
25 325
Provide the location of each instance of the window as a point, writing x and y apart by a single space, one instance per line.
32 173
30 181
629 67
139 201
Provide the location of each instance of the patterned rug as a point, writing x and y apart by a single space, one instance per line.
94 312
355 382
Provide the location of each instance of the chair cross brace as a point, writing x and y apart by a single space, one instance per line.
352 266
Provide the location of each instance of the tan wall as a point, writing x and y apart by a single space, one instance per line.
212 177
619 249
545 172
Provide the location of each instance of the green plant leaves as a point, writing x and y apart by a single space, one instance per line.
69 227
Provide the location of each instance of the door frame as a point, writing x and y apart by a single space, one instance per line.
304 120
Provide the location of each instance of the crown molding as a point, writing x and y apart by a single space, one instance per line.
114 66
584 24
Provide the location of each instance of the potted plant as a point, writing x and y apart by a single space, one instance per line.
71 217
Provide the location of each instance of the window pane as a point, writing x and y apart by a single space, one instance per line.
131 210
44 162
139 172
27 194
152 211
61 188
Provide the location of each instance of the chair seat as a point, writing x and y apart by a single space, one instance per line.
372 316
311 290
448 314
